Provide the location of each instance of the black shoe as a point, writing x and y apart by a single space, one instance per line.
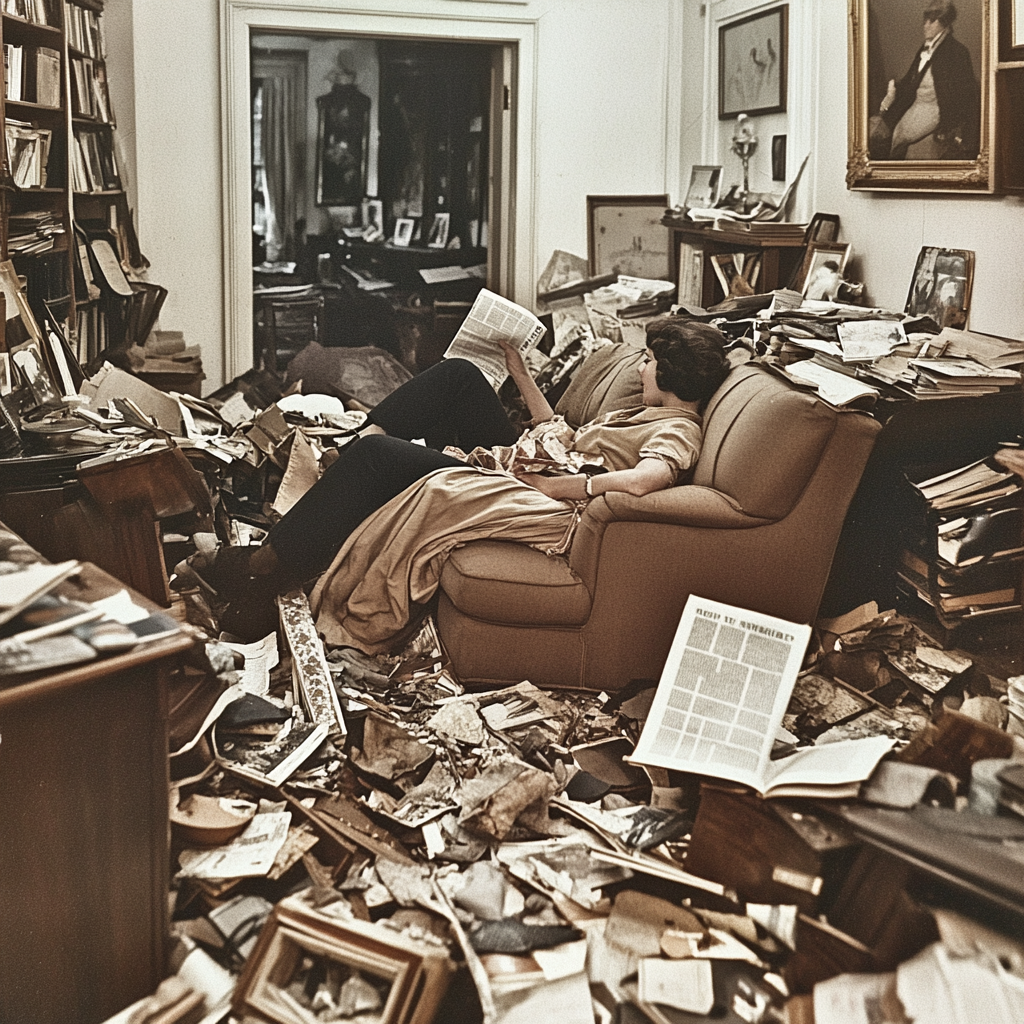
225 574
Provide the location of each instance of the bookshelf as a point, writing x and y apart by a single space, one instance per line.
59 186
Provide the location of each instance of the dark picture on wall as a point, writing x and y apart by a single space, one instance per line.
342 146
920 108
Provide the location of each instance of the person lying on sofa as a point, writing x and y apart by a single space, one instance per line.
387 512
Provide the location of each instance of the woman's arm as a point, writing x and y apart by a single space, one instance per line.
536 403
646 476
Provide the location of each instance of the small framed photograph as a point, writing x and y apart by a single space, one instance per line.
821 259
31 367
438 237
404 228
705 185
752 64
373 220
5 374
941 286
625 235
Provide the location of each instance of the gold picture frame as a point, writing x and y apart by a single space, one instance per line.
884 40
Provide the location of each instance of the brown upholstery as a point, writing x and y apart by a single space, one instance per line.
756 528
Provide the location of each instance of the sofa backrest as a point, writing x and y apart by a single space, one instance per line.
607 380
763 440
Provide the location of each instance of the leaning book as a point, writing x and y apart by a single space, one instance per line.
720 702
491 319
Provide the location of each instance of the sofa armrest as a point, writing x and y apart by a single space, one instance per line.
687 505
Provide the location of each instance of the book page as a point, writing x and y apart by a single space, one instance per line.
830 764
723 692
493 318
835 388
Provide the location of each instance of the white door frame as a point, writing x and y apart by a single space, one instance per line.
419 19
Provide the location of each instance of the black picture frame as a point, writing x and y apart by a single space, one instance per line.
753 64
342 146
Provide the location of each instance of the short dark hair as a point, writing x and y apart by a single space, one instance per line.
690 356
943 12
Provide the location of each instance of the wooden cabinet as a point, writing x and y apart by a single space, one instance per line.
84 841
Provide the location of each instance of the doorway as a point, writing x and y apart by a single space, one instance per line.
509 227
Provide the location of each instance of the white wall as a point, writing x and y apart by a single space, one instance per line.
886 231
603 87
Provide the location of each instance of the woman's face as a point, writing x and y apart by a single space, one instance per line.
653 395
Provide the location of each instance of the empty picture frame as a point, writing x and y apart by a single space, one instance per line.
625 235
705 186
817 259
941 286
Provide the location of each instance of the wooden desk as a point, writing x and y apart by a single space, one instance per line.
84 844
779 257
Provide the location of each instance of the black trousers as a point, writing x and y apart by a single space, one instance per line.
450 403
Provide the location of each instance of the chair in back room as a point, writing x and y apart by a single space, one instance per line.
284 324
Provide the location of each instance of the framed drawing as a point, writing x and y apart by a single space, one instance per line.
920 104
820 259
752 64
705 183
625 235
941 286
342 146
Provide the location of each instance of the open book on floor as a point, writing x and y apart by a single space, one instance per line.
491 319
720 701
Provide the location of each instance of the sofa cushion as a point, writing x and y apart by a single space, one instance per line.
763 440
501 581
607 380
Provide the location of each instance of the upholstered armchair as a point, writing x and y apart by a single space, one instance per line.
756 527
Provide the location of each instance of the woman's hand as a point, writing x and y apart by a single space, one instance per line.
514 361
537 405
561 488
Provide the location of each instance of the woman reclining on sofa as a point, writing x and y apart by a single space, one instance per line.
389 511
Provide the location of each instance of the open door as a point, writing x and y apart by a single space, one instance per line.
502 184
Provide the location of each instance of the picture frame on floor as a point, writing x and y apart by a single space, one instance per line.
921 107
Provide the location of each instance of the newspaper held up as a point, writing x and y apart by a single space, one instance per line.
493 318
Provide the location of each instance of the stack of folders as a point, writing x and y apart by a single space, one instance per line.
965 555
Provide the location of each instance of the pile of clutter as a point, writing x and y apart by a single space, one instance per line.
358 838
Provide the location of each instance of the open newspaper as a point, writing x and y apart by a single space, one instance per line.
720 701
492 318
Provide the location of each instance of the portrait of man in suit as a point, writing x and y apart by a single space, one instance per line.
923 66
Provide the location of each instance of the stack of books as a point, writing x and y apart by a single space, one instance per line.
33 231
965 556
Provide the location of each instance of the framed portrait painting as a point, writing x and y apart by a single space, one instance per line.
920 104
752 64
625 235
